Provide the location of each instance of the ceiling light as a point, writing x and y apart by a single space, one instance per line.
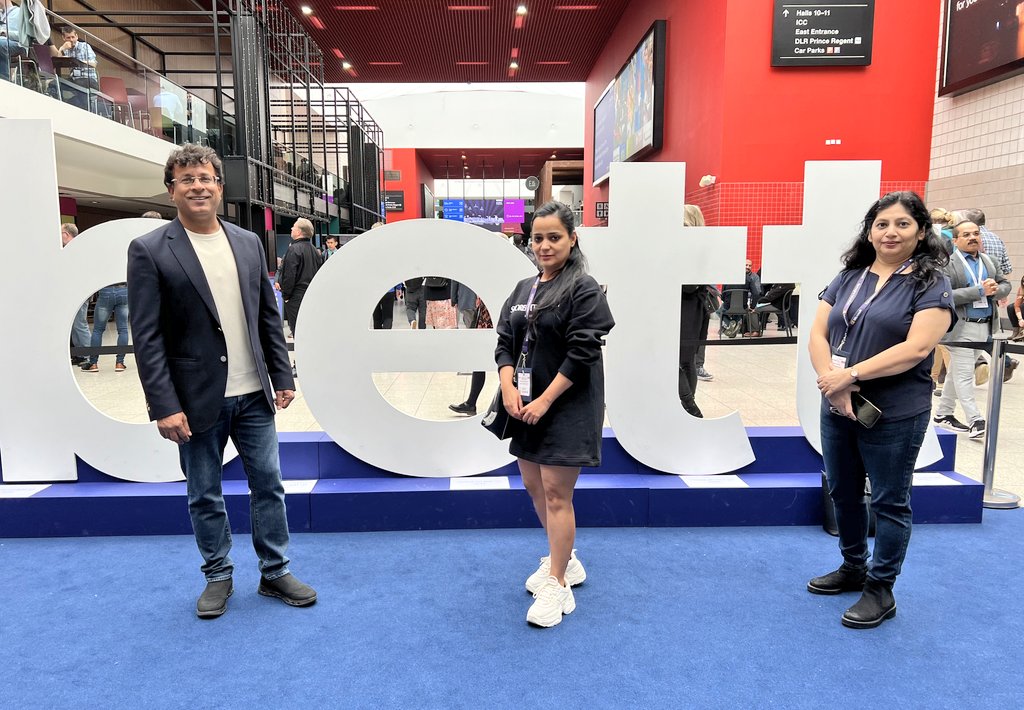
385 64
470 64
337 53
553 156
521 10
356 7
307 10
576 7
477 8
513 65
317 23
463 157
346 66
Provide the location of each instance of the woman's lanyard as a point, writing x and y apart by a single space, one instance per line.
529 305
523 377
850 322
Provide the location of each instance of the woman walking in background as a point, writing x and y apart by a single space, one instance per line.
550 334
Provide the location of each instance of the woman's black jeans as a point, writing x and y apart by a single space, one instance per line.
886 454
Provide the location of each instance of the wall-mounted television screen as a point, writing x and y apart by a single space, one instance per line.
982 42
629 115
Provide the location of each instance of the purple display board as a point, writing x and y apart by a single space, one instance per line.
515 210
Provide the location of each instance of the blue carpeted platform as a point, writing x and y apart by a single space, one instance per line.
329 490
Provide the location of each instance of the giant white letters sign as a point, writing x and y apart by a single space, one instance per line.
643 255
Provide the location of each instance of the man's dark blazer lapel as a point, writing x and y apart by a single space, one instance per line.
181 247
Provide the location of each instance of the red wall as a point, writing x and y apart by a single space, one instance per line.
414 173
730 114
776 118
694 75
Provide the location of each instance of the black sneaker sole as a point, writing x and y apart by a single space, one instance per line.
833 590
214 613
287 600
853 624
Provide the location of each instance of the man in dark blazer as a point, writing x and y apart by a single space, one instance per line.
213 364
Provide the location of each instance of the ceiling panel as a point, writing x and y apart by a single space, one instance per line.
492 163
427 41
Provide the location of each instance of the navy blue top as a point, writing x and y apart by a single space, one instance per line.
885 323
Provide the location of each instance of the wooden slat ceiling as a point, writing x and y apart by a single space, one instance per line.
426 41
492 163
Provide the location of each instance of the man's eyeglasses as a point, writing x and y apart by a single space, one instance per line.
189 181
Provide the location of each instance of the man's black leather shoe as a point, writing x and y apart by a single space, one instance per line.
214 600
288 589
845 579
875 606
464 408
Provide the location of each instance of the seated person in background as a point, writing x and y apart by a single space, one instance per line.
773 297
84 76
731 325
10 37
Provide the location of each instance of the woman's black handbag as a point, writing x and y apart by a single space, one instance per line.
497 420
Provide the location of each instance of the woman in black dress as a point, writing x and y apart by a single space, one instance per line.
550 334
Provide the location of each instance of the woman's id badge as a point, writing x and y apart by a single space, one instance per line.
524 382
838 359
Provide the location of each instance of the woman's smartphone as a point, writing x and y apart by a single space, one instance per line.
867 413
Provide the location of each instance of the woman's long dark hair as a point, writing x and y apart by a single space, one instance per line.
929 257
575 266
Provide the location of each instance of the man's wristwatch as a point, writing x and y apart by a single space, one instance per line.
854 374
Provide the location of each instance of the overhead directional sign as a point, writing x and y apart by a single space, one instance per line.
809 33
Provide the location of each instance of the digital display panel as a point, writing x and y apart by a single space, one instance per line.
982 42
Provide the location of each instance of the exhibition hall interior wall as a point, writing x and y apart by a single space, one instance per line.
977 157
730 114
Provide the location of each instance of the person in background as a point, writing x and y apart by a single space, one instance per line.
550 333
1014 314
85 74
152 214
213 366
977 284
330 247
473 316
873 336
10 37
301 262
81 336
694 217
693 326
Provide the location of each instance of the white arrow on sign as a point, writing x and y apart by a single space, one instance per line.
785 13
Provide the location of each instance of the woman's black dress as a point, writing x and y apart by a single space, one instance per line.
568 339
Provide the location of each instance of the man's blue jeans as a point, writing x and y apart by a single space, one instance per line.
886 454
110 299
81 336
249 421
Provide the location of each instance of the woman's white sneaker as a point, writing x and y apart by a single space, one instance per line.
550 603
575 575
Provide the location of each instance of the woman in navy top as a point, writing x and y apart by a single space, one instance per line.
550 333
876 327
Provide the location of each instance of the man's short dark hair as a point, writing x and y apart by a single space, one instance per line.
190 155
67 29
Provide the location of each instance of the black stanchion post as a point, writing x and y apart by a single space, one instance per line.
994 497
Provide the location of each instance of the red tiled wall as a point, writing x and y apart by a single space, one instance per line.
755 204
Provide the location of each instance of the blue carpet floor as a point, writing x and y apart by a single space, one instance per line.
669 618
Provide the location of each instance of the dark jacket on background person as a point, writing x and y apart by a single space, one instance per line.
301 262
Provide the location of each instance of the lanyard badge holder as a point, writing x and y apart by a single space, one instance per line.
839 355
524 374
981 301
